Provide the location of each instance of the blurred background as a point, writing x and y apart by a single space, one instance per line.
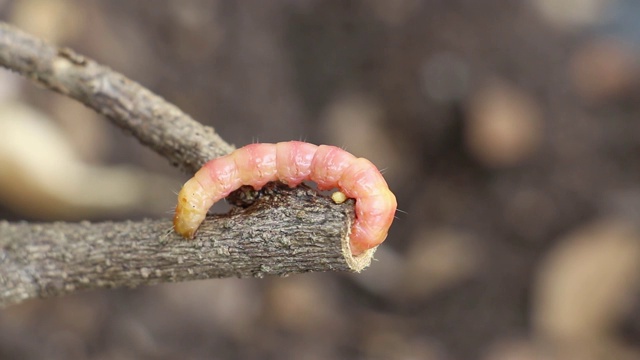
509 131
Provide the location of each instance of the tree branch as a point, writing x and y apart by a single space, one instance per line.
158 124
277 235
284 231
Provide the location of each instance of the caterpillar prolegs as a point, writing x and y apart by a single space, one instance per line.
292 163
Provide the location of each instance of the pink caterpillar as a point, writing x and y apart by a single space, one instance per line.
292 162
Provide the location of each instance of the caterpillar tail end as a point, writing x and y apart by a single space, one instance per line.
182 227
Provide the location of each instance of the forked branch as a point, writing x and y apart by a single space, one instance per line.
285 231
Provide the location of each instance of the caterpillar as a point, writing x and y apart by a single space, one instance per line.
292 163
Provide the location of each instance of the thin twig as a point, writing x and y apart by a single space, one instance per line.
158 124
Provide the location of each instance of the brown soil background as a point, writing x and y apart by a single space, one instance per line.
511 139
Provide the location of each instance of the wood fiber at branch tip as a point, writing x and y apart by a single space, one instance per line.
359 262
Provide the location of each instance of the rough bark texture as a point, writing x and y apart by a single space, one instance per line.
186 143
285 231
277 235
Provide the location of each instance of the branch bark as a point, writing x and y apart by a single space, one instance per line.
284 231
277 235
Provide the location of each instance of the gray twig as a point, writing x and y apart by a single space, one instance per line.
158 124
